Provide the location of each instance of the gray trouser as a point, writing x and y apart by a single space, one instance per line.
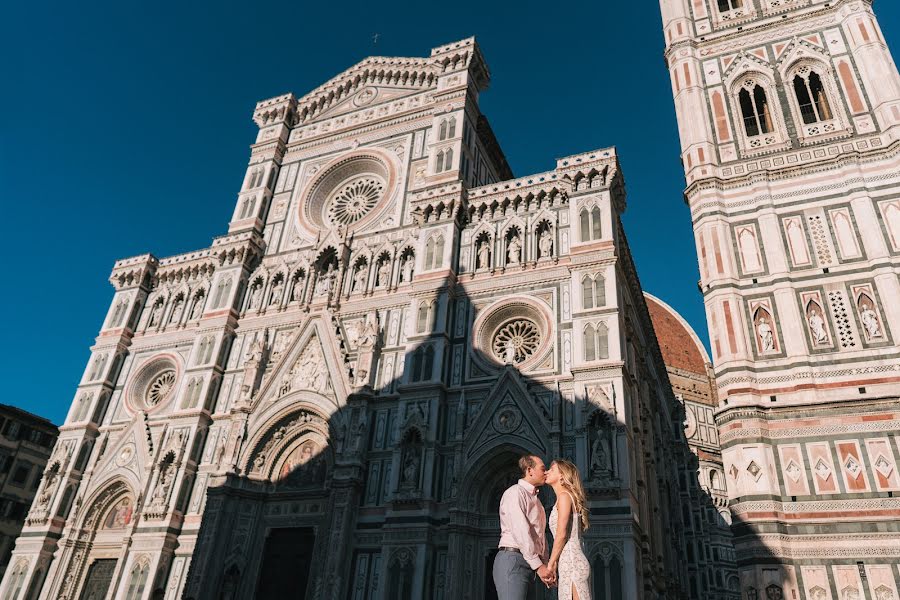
513 578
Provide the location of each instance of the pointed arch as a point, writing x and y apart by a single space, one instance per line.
589 337
587 292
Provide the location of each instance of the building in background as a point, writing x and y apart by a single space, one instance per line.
789 117
711 558
26 441
329 400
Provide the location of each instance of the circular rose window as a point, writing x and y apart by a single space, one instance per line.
516 341
154 384
160 388
354 199
515 331
351 192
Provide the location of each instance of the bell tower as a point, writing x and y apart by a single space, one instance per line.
789 119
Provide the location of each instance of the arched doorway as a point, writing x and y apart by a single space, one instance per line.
480 499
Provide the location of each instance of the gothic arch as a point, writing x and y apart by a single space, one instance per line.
479 491
274 436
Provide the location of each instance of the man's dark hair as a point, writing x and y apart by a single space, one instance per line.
527 461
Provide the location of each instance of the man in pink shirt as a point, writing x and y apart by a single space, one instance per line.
523 550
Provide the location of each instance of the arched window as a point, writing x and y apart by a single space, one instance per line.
17 581
137 582
429 253
439 162
585 218
427 364
587 293
442 135
416 364
755 110
207 357
590 343
596 232
714 482
438 252
811 97
728 5
599 291
448 159
422 317
602 341
451 133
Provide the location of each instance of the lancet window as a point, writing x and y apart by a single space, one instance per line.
422 364
755 109
434 252
729 5
811 97
596 342
593 291
591 225
138 581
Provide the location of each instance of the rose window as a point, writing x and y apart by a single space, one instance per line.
516 341
354 199
160 388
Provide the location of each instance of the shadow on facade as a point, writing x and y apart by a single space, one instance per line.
342 484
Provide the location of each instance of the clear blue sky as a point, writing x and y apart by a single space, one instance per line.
125 129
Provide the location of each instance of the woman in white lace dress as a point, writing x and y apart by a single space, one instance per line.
568 520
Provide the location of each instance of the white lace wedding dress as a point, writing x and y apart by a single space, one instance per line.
574 567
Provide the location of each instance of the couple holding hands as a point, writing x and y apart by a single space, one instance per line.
523 550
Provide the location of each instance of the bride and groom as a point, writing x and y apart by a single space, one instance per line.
523 551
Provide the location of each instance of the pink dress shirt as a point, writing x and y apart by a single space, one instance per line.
522 523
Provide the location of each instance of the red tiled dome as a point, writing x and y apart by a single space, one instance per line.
680 346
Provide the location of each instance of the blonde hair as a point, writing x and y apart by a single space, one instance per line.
570 479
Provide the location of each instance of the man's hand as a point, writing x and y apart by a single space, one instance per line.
546 575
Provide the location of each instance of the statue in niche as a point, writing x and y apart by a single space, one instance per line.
766 336
253 367
484 254
198 308
869 318
817 325
545 244
410 473
406 273
255 293
161 493
177 310
326 282
366 343
51 480
513 251
276 292
359 278
154 314
384 273
297 289
601 456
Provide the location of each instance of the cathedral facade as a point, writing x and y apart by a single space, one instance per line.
789 117
328 401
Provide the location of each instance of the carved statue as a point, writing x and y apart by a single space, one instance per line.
545 244
198 308
766 337
407 273
514 251
276 292
255 293
154 314
359 278
297 289
384 273
509 352
410 469
817 327
161 493
484 254
325 282
870 321
366 346
601 457
177 310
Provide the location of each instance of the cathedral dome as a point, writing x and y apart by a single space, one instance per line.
680 346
